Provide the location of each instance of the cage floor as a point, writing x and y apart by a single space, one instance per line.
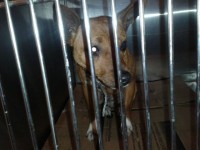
159 97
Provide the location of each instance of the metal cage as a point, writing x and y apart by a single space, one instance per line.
36 64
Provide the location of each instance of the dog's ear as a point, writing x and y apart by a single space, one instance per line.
71 22
128 15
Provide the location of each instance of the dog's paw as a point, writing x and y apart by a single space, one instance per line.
89 134
106 111
108 107
129 126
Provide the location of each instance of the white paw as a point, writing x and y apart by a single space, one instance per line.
129 126
89 134
106 111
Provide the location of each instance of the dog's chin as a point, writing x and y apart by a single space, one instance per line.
110 85
113 85
107 84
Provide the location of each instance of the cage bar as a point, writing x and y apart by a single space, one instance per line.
171 72
119 85
145 75
43 71
198 78
92 71
21 76
7 118
68 74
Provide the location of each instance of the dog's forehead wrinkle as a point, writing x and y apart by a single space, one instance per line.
100 30
101 19
99 39
100 25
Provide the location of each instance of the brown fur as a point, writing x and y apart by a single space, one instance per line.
103 63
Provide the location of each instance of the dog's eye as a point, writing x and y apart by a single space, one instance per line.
123 46
95 51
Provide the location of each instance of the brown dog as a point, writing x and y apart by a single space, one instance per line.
101 39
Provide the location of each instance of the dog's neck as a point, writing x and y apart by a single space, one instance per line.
103 89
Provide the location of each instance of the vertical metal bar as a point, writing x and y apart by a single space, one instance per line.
91 60
43 71
145 75
21 77
119 85
171 73
7 118
198 77
68 74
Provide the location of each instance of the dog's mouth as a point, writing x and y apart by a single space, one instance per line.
109 81
125 80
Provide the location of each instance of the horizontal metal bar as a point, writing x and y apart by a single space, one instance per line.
7 118
43 71
22 2
68 74
119 84
145 75
21 77
92 71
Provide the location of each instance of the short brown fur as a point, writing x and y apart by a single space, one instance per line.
101 37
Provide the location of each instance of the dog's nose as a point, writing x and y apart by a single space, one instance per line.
125 77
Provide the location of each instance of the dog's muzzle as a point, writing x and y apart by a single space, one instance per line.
125 78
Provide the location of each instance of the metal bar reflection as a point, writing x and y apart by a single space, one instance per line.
68 74
145 75
92 71
7 118
44 76
22 2
21 77
171 72
119 86
198 78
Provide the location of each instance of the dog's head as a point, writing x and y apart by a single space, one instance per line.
102 44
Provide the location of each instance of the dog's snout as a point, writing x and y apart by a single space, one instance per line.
125 77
